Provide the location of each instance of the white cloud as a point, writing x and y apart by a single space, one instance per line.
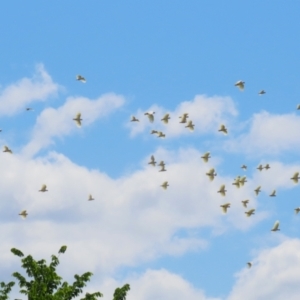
59 122
27 90
268 134
207 113
274 275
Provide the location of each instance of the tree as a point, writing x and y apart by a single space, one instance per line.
47 284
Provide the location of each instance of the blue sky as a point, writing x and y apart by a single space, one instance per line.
168 57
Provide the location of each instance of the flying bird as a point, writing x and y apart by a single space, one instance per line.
237 181
223 129
43 188
150 116
297 210
211 174
298 106
257 190
154 132
162 169
276 226
134 119
244 167
249 264
267 167
29 108
260 167
152 161
273 194
6 149
240 84
78 120
242 181
166 118
205 156
190 126
90 198
23 214
225 207
250 212
165 185
296 177
222 190
162 163
160 134
184 117
245 202
80 78
261 92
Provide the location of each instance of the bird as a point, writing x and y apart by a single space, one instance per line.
29 108
222 190
223 129
298 106
225 207
297 210
166 118
162 163
184 117
211 174
249 264
205 156
261 92
190 126
90 198
134 119
165 185
296 177
267 167
78 119
23 214
244 167
273 194
242 181
162 169
250 212
80 78
260 167
245 202
240 84
237 181
154 132
257 190
276 226
6 149
152 161
150 116
43 188
160 134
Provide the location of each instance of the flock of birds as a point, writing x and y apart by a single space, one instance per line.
239 181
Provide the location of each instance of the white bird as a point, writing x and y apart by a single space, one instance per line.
184 117
225 207
211 174
223 129
273 194
190 126
250 212
90 198
43 188
150 116
249 264
134 119
165 185
222 190
245 202
206 156
257 190
240 84
6 149
80 78
260 167
152 161
162 169
296 177
244 167
261 92
23 214
78 120
160 134
166 118
276 226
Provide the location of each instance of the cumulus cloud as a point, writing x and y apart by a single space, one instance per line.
17 96
59 122
268 134
207 113
274 275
